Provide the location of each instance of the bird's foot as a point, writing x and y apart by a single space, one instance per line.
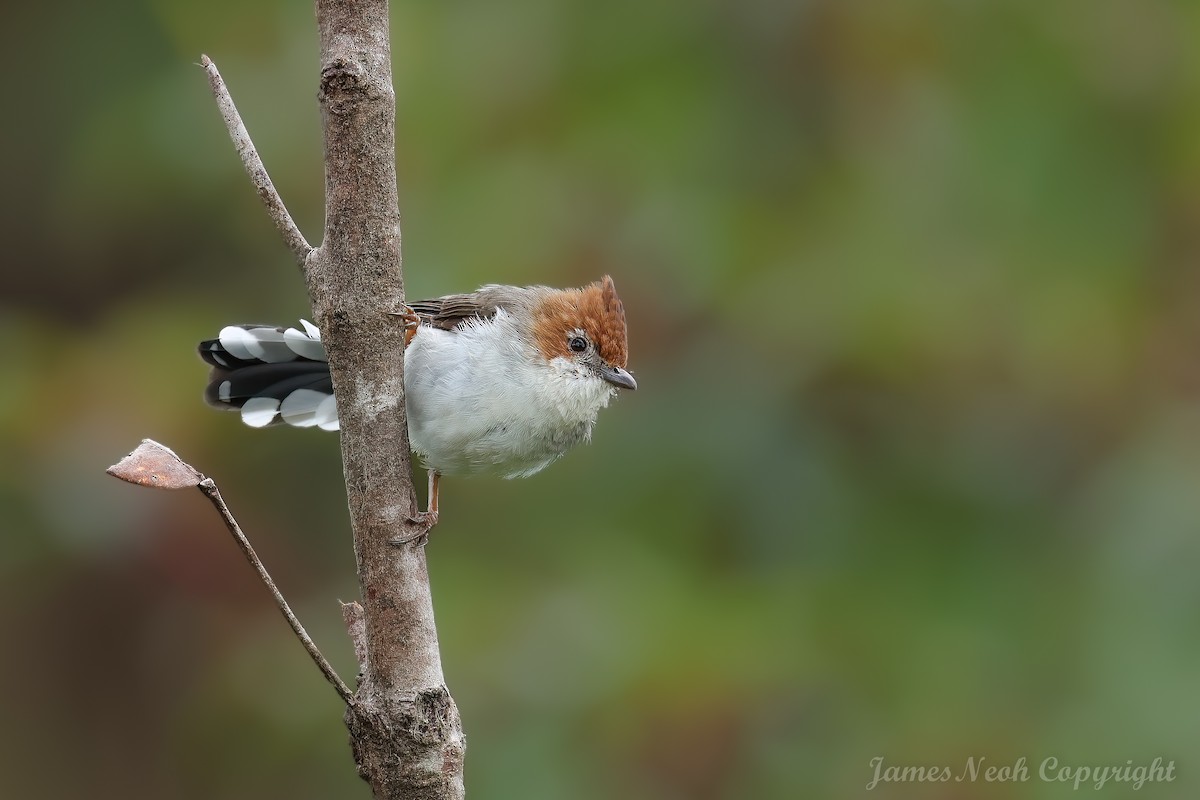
423 519
426 519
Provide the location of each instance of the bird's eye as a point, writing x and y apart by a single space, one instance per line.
577 343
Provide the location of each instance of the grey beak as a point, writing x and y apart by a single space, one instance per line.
618 377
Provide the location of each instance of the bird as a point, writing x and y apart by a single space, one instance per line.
504 380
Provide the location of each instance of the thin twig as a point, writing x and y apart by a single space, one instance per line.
292 237
214 495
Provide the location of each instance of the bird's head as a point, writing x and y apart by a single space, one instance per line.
586 328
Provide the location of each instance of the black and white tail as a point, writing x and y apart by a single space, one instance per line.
271 375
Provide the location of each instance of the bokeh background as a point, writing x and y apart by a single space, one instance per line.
913 471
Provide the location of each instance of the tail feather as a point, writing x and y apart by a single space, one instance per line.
271 376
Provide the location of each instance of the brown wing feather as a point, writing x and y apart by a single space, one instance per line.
450 311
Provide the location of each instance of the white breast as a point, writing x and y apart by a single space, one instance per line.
481 399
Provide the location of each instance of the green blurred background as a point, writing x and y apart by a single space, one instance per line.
913 470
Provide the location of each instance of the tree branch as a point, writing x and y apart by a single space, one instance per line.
292 236
210 490
405 729
154 465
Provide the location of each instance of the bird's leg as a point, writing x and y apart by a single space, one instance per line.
429 517
435 478
411 321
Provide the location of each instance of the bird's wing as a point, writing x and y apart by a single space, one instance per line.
453 310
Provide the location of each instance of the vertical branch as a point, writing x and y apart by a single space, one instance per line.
405 728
